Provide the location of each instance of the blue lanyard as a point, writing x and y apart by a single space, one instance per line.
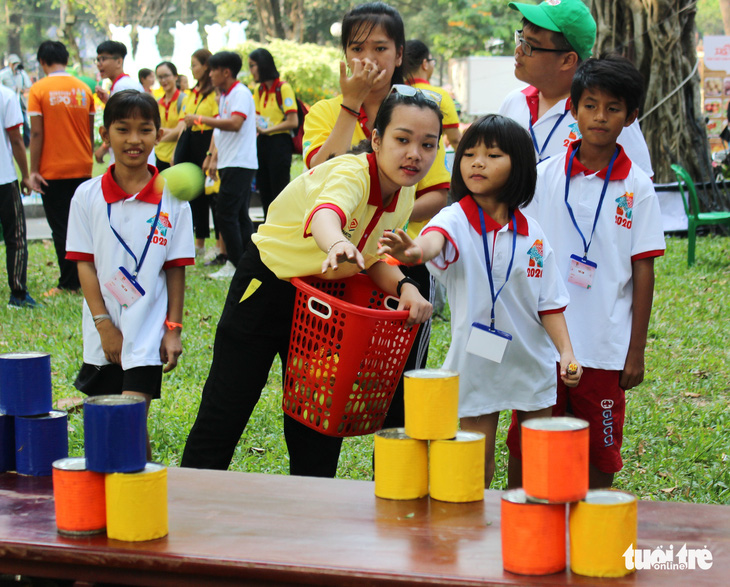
587 245
539 150
489 263
138 264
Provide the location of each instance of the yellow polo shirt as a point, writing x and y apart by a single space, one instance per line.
448 108
169 116
198 106
349 185
268 112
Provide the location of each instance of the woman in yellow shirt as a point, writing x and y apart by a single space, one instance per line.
200 101
170 108
276 115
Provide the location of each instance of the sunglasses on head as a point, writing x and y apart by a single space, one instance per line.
405 90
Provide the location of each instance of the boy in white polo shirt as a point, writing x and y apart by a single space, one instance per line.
131 240
601 216
232 153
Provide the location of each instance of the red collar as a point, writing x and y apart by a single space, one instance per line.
532 95
621 166
268 91
116 79
151 193
418 80
228 91
168 104
375 198
471 210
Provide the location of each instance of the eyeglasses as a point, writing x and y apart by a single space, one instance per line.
527 49
103 58
405 90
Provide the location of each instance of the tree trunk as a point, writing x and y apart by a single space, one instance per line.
14 21
270 18
659 36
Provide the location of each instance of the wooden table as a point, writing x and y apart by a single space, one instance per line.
239 528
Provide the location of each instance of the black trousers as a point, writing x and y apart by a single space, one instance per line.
12 218
57 203
249 335
231 213
274 153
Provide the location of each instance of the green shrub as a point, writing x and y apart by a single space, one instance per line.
312 70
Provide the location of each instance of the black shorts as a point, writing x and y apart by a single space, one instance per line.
113 380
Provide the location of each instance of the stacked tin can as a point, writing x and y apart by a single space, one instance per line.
430 456
32 434
602 523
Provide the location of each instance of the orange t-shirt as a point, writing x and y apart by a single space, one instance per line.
65 103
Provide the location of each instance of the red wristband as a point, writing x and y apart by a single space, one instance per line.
172 325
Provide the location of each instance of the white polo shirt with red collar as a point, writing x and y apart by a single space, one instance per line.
525 379
629 228
557 128
237 148
99 204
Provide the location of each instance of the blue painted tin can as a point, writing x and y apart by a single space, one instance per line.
40 440
7 443
115 433
25 384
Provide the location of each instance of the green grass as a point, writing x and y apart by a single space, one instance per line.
676 443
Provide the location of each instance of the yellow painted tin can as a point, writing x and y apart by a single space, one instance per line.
401 465
457 468
431 402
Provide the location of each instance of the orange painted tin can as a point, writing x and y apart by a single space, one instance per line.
79 495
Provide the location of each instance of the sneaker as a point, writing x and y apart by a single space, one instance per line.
26 302
54 291
226 272
220 259
199 252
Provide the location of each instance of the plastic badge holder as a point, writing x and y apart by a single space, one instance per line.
347 352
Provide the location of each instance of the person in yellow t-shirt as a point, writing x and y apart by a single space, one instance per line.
276 115
373 40
419 65
201 101
170 109
326 222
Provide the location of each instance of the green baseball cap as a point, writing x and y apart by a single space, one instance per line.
570 17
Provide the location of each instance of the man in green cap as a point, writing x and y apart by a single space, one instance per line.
556 36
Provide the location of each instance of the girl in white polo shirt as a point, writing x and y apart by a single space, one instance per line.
131 240
505 294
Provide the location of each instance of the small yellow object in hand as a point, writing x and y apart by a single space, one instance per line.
572 369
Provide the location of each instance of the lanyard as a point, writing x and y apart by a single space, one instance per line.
587 245
489 263
539 150
138 265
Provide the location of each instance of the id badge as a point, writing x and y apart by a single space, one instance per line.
124 288
581 272
487 343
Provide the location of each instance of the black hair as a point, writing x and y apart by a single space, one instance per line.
612 74
358 23
556 37
226 60
143 73
265 63
513 140
53 53
131 104
114 48
385 115
170 65
415 52
203 85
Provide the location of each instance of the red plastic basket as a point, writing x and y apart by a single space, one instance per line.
346 354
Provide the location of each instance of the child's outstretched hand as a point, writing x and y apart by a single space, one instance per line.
400 246
570 370
170 349
343 251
